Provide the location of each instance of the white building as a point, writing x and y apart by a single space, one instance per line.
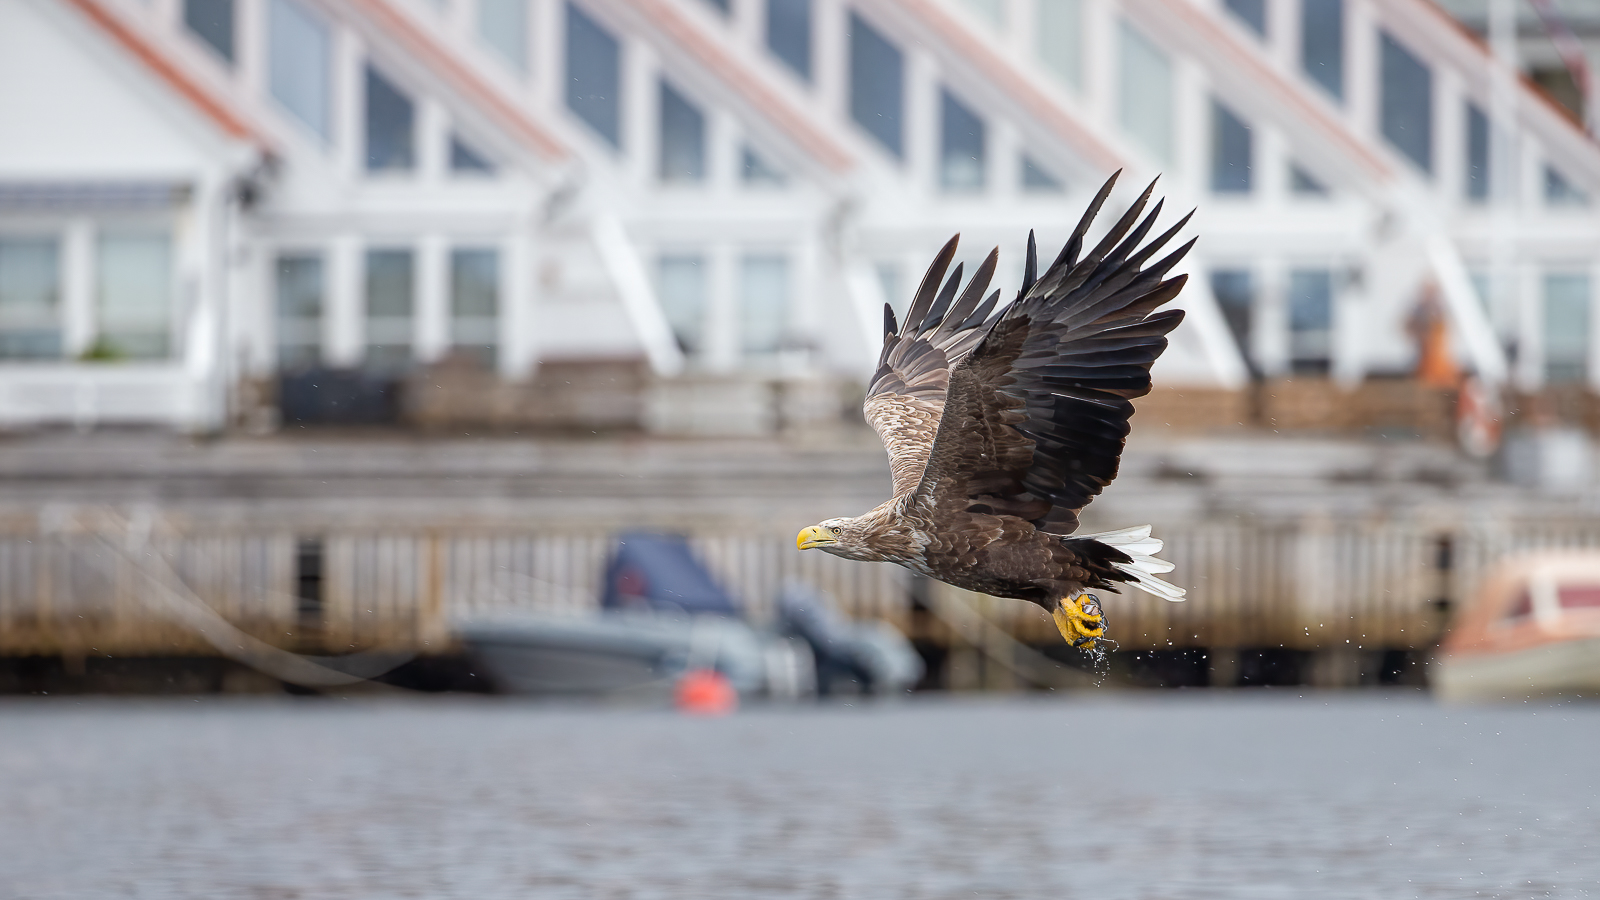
198 195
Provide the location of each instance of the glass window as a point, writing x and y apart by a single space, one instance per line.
764 304
961 141
465 160
889 280
300 293
1236 298
1059 25
1558 191
391 297
503 25
135 294
391 131
877 84
30 298
1310 321
683 138
212 22
298 64
475 304
1230 151
757 172
1406 113
593 79
1477 174
1566 327
1036 179
720 6
789 33
1322 43
1304 184
1253 13
681 285
1145 98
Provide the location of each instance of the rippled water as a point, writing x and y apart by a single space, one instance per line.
1142 796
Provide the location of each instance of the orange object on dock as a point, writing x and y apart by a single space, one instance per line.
706 692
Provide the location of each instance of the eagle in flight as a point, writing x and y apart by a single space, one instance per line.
1002 424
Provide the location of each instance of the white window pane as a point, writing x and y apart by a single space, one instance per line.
1060 28
212 22
30 297
135 293
1145 100
1253 13
992 10
1230 151
764 303
300 298
299 51
593 75
789 33
877 84
757 172
1311 320
681 285
475 305
503 25
1566 327
1406 113
390 301
1322 43
683 138
961 145
390 126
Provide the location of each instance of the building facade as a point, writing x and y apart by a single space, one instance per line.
211 209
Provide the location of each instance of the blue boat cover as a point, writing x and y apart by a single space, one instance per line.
656 572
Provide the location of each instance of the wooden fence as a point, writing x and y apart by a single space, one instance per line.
107 587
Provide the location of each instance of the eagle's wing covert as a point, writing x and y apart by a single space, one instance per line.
1036 414
906 396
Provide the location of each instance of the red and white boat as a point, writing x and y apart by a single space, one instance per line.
1532 630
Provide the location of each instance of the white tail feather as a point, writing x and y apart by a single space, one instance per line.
1143 567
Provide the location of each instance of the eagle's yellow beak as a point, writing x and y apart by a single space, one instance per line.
815 536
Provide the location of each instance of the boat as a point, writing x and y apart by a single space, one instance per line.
1532 629
661 616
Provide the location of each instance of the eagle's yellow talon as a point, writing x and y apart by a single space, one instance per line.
1080 620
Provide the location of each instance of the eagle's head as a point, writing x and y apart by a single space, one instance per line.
846 537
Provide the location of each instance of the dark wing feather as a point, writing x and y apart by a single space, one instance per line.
1036 414
906 395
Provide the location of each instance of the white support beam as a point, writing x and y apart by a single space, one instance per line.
638 296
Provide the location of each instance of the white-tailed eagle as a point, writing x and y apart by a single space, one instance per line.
1003 423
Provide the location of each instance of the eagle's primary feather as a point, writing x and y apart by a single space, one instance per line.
1002 422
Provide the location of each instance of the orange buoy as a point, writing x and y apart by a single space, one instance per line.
706 692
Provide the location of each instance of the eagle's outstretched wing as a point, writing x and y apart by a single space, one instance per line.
1036 414
906 396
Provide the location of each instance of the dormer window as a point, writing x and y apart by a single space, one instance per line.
390 126
212 22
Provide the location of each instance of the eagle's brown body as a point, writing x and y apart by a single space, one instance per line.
1002 425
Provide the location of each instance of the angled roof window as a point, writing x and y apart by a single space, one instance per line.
961 145
466 160
594 75
757 172
1231 151
1477 174
1058 25
789 34
877 84
1253 13
1036 179
1322 44
1304 184
1405 112
683 139
212 22
390 126
1558 191
299 51
1144 100
503 25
